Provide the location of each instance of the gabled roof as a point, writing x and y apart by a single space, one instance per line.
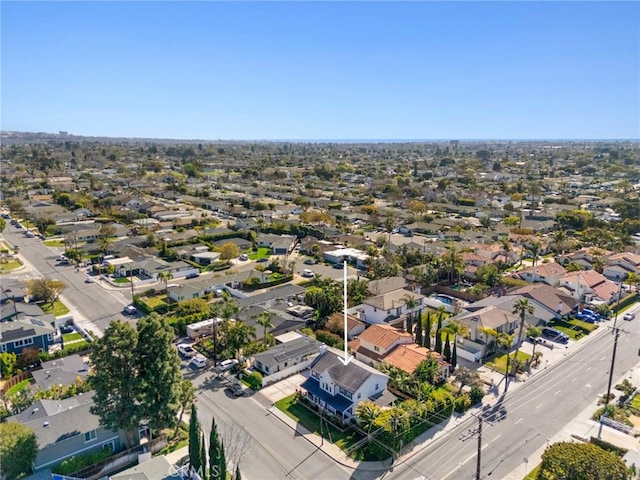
61 371
394 299
548 270
24 328
386 285
56 420
552 298
282 352
350 376
408 357
489 317
383 336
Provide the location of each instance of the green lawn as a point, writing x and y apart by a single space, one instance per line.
54 243
569 331
263 252
58 308
154 302
533 474
9 266
19 386
635 403
586 325
72 337
311 422
500 363
121 280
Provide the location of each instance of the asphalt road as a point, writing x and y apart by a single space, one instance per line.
272 450
92 302
522 421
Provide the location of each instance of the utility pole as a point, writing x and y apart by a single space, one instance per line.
478 463
613 362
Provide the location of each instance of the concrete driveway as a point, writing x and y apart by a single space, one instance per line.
284 388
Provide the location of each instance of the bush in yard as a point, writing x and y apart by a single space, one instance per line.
254 379
476 394
462 403
7 364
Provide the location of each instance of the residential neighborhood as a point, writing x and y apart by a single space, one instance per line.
192 283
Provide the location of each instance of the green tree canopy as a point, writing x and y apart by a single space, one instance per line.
18 449
580 461
158 372
115 379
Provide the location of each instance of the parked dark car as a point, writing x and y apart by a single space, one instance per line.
555 335
235 389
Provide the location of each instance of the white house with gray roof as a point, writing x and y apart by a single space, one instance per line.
339 388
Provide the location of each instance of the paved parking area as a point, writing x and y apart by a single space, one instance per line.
285 387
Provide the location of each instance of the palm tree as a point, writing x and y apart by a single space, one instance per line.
264 320
505 340
559 238
522 307
534 249
367 413
534 333
165 277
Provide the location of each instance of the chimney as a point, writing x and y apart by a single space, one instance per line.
560 305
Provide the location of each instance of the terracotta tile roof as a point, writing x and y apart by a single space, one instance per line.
408 357
383 336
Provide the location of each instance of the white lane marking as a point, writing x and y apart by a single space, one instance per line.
497 437
518 421
574 379
557 392
539 405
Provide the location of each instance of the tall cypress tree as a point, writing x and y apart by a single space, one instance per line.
447 349
222 462
237 476
214 453
419 331
454 357
194 440
426 341
203 457
438 347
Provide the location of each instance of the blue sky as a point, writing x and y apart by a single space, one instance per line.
316 70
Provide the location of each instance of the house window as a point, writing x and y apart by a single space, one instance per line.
315 375
22 343
90 436
359 395
376 348
377 386
50 337
286 364
3 347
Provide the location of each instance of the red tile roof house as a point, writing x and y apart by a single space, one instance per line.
549 273
408 357
372 346
589 286
620 265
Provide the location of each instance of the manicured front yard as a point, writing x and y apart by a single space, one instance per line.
311 421
156 302
500 363
263 252
121 280
72 337
58 308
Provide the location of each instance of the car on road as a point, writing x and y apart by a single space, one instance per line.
198 361
339 266
89 279
309 261
130 310
186 350
227 364
16 248
235 389
243 258
629 316
262 260
308 273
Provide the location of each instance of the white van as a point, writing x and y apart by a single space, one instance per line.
308 273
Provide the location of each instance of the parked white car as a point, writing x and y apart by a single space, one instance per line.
227 364
186 350
198 361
